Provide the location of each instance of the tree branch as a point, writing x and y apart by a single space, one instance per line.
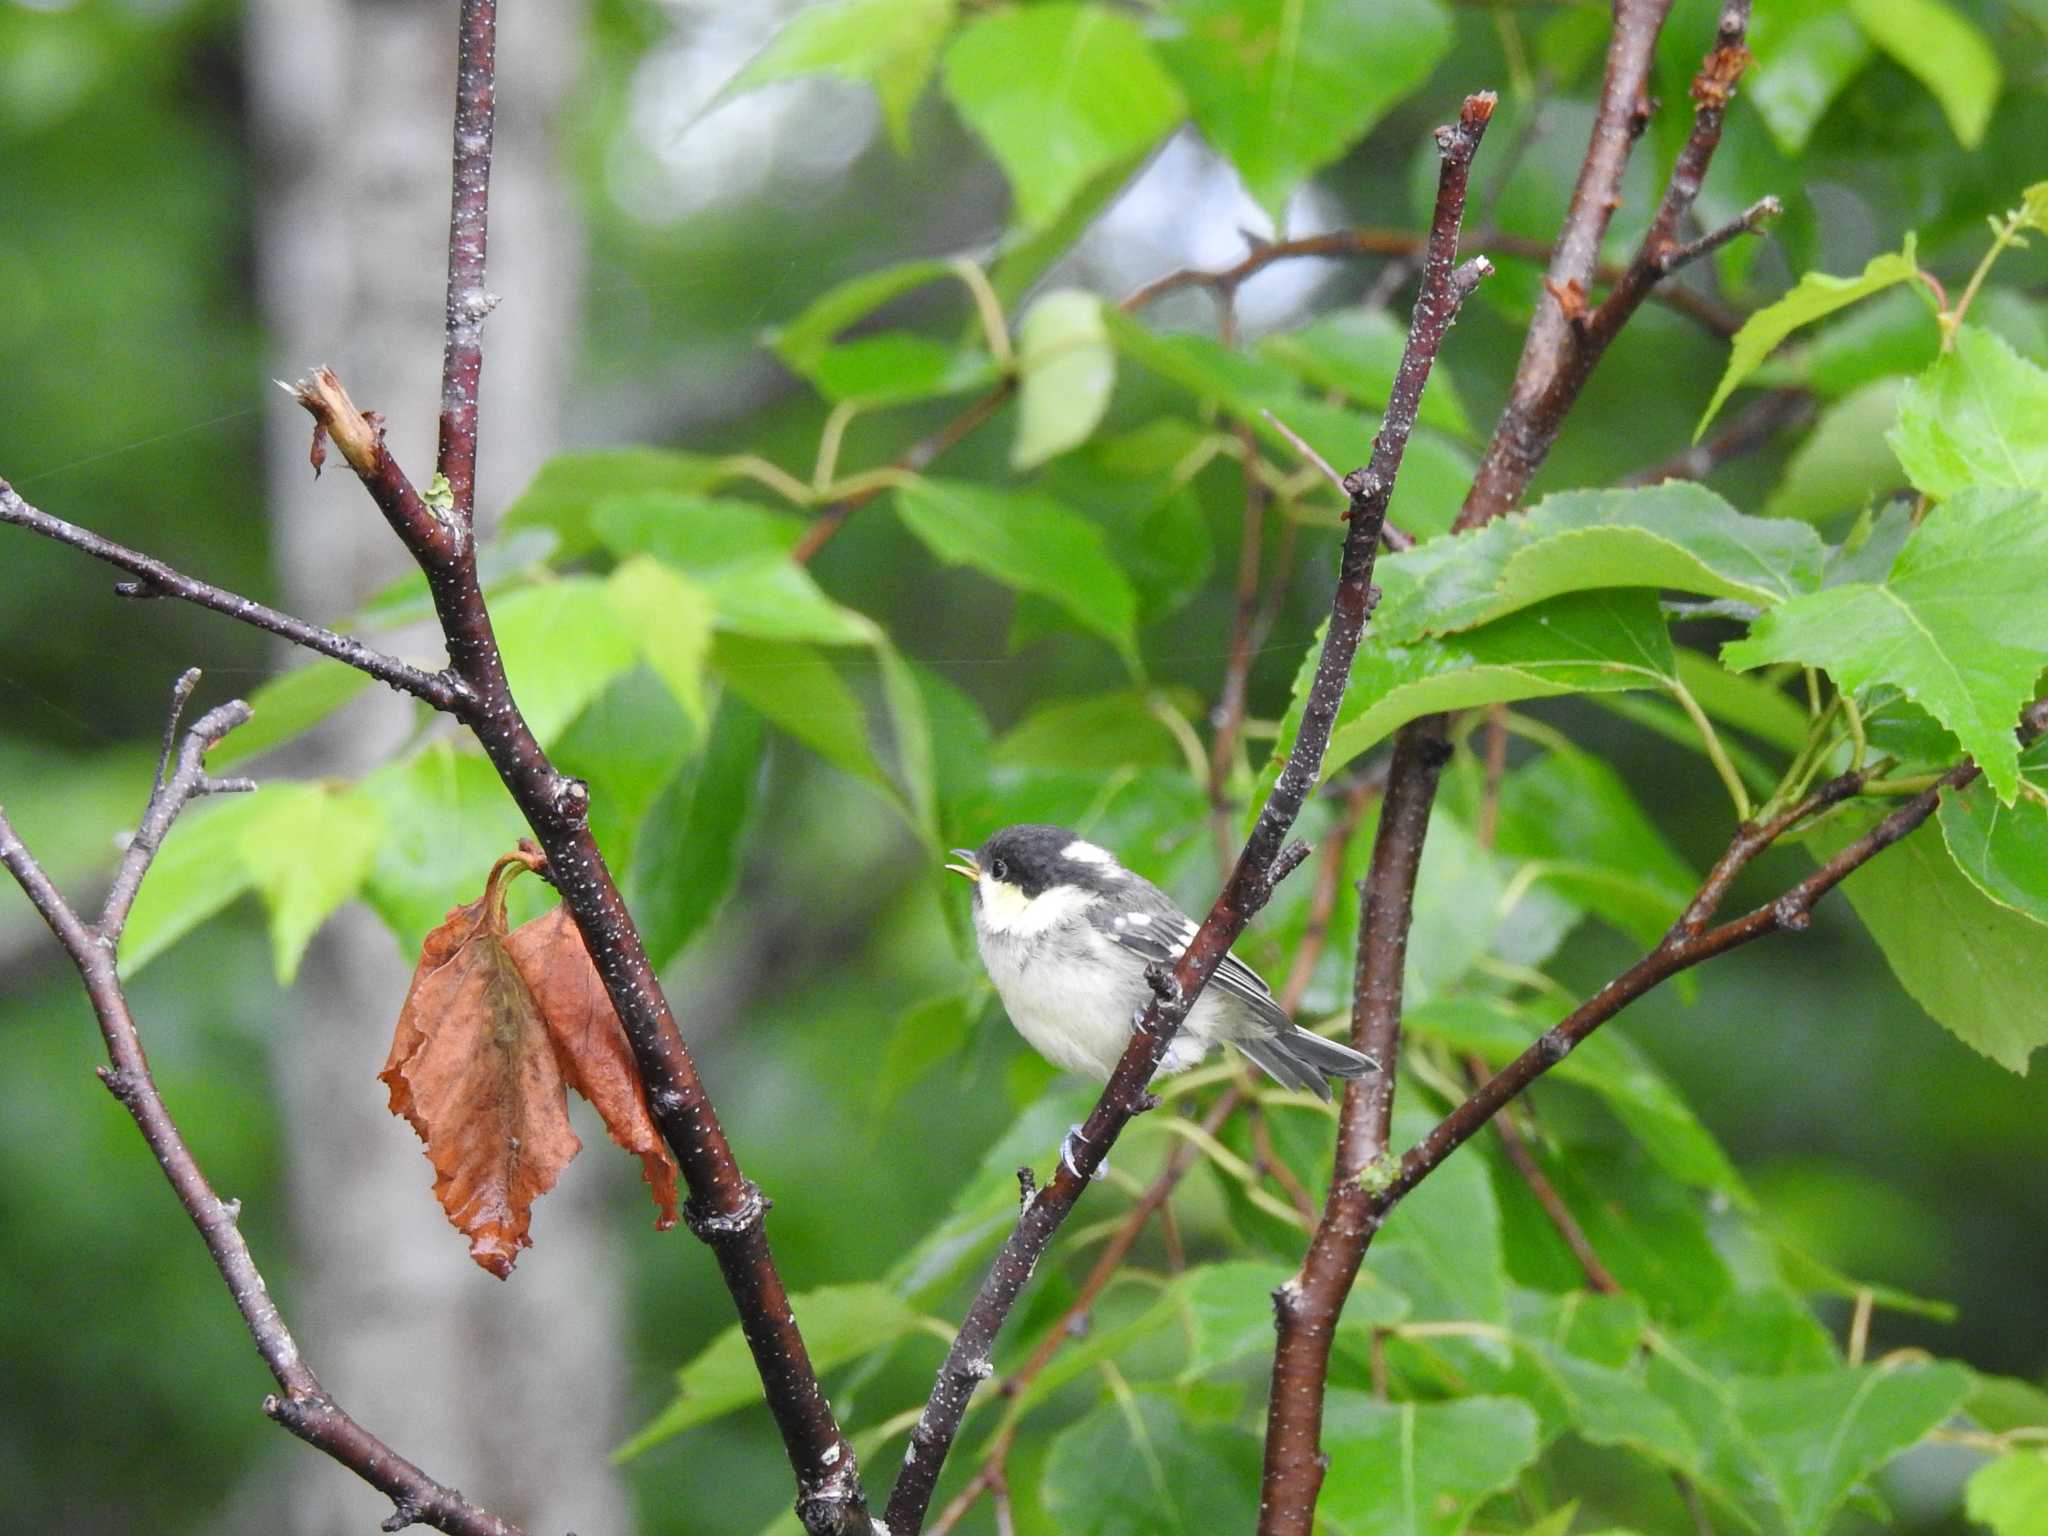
155 579
968 1361
303 1406
1557 358
462 357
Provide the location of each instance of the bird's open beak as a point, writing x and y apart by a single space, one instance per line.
969 865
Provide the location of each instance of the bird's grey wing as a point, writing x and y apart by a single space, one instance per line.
1150 926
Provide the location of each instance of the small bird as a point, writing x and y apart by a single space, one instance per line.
1066 933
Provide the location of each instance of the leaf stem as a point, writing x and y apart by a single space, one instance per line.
1710 739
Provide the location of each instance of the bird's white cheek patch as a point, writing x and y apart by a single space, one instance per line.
1086 853
1006 909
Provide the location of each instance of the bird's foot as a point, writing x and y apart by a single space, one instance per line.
1067 1155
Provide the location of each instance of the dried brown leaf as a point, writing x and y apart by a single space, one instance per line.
474 1071
591 1046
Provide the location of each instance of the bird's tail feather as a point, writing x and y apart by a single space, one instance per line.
1300 1058
1271 1056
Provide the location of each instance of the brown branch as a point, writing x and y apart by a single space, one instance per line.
1567 337
1558 356
967 1364
1523 1160
462 357
301 1405
154 579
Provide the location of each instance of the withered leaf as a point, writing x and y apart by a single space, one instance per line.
591 1046
473 1069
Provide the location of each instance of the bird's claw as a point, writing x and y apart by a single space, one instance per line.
1067 1155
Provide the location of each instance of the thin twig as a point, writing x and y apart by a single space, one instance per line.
155 579
1747 430
1598 1275
967 1364
301 1404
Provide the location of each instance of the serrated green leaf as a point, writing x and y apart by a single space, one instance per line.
1817 294
1978 968
446 818
1890 336
670 619
197 871
1100 734
1803 62
1066 371
562 642
804 339
1419 1469
1356 352
570 486
2003 850
1282 88
1442 1249
1818 1436
1979 416
1028 541
1677 534
1138 1468
289 705
692 532
687 851
308 851
1588 642
2011 1494
890 44
1942 49
1956 627
1228 1309
841 1323
1060 94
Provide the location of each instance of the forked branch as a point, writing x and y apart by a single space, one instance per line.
968 1362
300 1404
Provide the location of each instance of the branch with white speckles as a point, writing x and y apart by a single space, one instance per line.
300 1403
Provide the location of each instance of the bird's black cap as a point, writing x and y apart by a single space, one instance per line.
1036 857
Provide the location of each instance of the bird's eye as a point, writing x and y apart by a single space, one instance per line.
1000 868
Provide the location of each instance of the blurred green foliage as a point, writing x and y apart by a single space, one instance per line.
779 753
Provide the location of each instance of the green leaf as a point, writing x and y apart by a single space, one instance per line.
1282 88
891 44
563 642
805 339
1890 336
569 487
2011 1494
897 366
1442 1250
1979 416
628 742
936 1030
1845 463
1819 1436
1944 50
1957 626
1802 65
687 852
1589 642
1978 968
1748 703
1066 372
308 852
1419 1469
1060 94
289 705
841 1323
1028 541
670 619
1136 1467
799 691
198 871
446 818
1816 295
1099 734
698 534
2003 849
1355 352
1677 534
1574 816
1228 1309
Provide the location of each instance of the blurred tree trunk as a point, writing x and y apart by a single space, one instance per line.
511 1391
